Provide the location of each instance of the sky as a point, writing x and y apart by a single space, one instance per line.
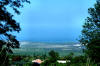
53 20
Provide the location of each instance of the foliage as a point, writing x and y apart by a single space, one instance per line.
52 59
53 56
70 56
90 37
79 59
75 61
7 25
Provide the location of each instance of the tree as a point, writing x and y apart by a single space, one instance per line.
90 37
70 56
51 61
53 56
8 25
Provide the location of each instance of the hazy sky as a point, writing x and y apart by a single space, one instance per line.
53 20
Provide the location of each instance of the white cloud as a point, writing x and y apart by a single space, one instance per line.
77 45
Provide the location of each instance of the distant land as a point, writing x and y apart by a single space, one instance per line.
39 48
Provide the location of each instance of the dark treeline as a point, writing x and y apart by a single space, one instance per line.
51 60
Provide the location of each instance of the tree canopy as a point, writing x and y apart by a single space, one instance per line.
8 25
90 37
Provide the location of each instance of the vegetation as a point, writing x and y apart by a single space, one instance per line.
32 48
51 60
91 34
7 25
90 38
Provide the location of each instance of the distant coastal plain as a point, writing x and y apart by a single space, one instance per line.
40 48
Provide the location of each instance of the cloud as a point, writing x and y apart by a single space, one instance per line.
77 45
